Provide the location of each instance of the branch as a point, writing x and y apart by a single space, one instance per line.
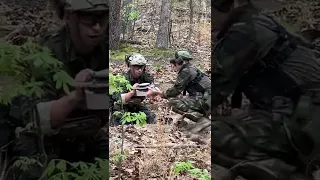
174 146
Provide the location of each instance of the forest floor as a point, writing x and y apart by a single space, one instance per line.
153 150
157 161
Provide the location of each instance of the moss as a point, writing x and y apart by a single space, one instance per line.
161 52
123 50
126 49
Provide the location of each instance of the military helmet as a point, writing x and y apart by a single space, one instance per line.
181 56
222 5
86 5
136 59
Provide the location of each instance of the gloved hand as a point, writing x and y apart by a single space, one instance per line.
153 91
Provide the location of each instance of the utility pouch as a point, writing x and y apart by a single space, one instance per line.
80 127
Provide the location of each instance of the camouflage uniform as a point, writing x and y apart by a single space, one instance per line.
134 106
273 68
60 45
198 85
55 145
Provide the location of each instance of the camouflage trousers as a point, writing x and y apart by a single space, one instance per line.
255 144
191 105
252 137
71 150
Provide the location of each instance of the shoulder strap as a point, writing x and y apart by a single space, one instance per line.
195 80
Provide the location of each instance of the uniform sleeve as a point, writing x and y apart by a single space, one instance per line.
51 94
233 57
180 85
44 110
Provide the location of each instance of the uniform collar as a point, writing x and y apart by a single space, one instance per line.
184 66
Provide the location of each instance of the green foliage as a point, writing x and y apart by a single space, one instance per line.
63 170
132 12
182 166
122 51
187 167
24 163
28 67
118 157
118 83
201 69
139 118
27 129
125 49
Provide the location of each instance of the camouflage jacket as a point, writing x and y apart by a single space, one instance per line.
144 78
253 54
187 80
61 46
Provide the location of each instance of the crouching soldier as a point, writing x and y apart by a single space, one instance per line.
190 79
136 75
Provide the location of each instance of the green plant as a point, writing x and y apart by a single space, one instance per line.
118 83
28 68
118 157
132 12
63 170
188 168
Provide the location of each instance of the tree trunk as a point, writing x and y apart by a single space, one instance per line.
125 21
114 27
131 24
191 20
163 31
199 12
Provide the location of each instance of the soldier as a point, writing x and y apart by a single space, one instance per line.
190 79
82 46
135 75
276 71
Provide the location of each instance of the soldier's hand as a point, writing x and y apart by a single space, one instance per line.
135 86
152 92
81 78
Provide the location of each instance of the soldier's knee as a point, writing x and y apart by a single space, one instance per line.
179 105
173 102
227 140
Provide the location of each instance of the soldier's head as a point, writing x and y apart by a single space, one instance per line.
87 20
137 64
221 9
180 58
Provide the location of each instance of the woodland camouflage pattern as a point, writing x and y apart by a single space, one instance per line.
272 71
199 99
57 147
134 105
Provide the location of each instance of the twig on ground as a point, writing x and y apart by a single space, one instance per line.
175 146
